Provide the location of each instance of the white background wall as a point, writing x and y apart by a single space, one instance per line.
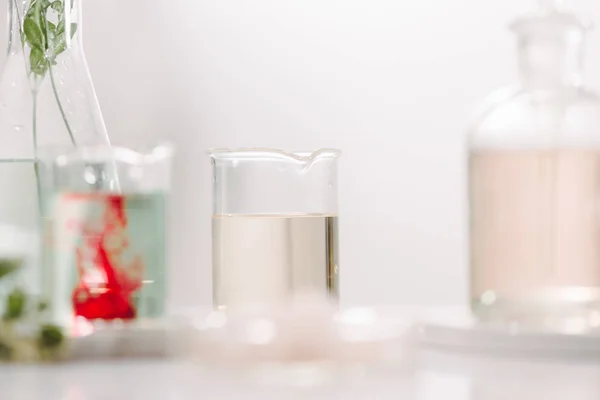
390 82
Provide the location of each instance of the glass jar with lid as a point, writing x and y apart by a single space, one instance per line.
534 185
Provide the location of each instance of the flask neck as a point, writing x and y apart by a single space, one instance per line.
52 19
550 48
551 61
14 26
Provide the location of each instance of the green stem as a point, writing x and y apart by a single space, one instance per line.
59 103
36 165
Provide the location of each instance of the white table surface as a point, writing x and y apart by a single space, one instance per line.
436 375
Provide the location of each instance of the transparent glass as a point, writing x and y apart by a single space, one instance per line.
274 227
46 99
534 182
105 256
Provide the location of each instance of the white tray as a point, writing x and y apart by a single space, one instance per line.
164 338
456 328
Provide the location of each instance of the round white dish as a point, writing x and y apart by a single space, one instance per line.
455 328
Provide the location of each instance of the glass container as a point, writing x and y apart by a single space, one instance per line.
534 185
106 248
46 99
274 226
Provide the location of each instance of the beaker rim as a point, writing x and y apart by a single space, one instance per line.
270 153
101 153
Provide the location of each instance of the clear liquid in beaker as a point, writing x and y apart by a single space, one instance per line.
262 259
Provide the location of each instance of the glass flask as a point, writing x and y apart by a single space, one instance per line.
534 183
106 244
46 99
274 226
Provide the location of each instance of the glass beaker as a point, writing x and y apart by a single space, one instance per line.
534 161
106 244
274 226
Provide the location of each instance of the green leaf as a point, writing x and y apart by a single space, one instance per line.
73 29
58 46
60 29
5 351
51 33
51 27
8 266
37 61
46 39
57 6
32 7
42 306
51 337
40 18
59 43
36 57
33 34
15 305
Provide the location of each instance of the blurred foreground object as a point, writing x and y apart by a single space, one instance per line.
304 338
534 174
25 334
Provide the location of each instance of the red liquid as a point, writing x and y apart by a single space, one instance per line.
108 275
